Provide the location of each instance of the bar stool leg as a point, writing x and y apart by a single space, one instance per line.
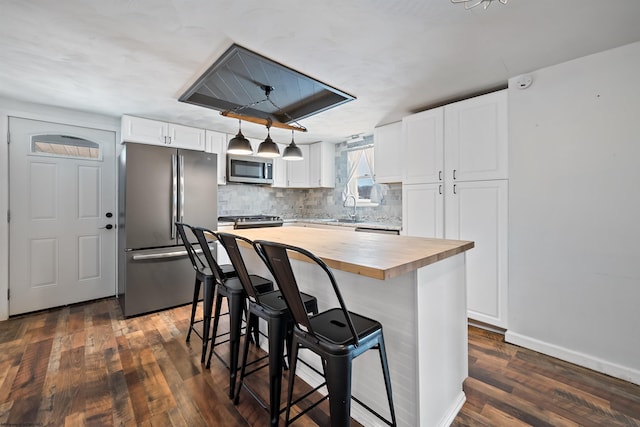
236 301
206 323
245 353
292 375
276 348
338 379
216 318
387 377
194 306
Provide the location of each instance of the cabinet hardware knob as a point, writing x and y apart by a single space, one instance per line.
439 175
440 189
454 174
454 189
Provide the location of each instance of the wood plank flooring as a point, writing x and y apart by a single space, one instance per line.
87 365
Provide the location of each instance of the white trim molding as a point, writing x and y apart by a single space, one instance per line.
581 359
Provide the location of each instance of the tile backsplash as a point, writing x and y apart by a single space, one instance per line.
289 203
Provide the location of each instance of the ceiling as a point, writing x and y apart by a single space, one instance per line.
395 57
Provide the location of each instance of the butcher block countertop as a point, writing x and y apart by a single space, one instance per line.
379 256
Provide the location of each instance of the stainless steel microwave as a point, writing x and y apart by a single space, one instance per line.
249 169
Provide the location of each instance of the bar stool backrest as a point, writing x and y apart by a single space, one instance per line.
196 262
230 243
277 257
199 232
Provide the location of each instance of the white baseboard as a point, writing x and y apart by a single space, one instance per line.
455 408
581 359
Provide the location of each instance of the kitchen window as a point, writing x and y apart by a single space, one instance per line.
360 183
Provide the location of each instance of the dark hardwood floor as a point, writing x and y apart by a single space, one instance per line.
87 365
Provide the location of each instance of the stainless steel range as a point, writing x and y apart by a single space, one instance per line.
252 221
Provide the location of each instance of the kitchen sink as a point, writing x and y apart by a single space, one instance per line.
349 220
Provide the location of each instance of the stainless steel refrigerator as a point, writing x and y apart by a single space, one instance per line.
157 187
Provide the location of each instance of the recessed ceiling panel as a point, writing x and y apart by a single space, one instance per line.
246 83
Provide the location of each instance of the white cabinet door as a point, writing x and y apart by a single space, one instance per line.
423 210
216 142
280 170
322 165
478 211
144 131
476 138
298 171
185 137
387 153
423 147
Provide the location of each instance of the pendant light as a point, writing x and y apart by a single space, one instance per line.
268 148
292 152
239 144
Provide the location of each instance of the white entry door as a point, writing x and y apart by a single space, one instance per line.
62 234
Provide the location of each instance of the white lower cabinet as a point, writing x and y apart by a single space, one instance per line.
476 211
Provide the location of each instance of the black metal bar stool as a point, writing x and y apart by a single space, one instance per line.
271 307
337 335
204 275
232 289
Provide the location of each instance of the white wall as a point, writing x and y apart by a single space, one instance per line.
38 112
574 212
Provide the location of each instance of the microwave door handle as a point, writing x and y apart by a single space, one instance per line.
181 190
174 195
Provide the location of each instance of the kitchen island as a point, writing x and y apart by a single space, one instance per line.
416 287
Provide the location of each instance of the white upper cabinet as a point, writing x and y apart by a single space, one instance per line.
317 169
146 131
298 171
186 137
216 142
280 169
423 147
322 169
476 138
387 153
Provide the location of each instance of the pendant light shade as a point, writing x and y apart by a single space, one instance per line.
268 148
292 152
239 144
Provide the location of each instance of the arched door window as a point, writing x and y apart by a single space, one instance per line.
65 146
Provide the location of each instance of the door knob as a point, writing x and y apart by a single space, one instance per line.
109 215
108 227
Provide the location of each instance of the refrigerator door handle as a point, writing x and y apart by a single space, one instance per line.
174 195
163 255
181 190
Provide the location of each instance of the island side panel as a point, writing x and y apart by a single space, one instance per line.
442 349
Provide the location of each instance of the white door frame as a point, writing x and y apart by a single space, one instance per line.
44 113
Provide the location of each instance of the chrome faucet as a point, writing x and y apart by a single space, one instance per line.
354 215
